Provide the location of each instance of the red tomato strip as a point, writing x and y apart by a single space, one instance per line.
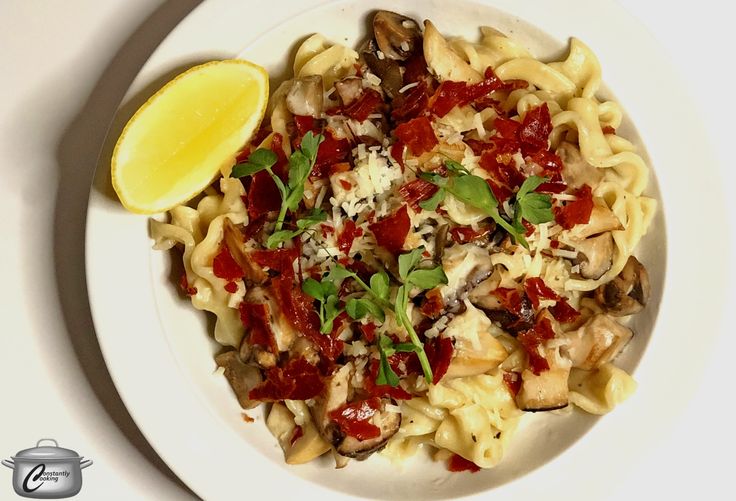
354 419
536 289
417 134
348 234
391 231
577 211
297 380
458 463
417 191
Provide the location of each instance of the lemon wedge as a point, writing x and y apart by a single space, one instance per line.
177 142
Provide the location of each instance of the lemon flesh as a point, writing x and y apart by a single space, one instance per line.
177 142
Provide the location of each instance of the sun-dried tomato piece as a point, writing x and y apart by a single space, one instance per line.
532 339
556 187
354 419
563 312
391 231
502 170
224 265
411 103
417 134
184 285
368 103
536 128
551 165
306 123
348 234
575 211
298 308
369 331
296 380
512 381
279 260
536 289
457 463
506 127
331 151
417 191
397 153
510 299
433 304
439 353
256 318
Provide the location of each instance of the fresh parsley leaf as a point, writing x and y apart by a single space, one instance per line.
427 279
275 239
380 284
303 224
313 288
434 178
358 308
406 348
310 144
530 184
408 261
338 273
534 207
331 313
434 201
474 190
537 208
456 167
259 160
402 300
313 217
386 374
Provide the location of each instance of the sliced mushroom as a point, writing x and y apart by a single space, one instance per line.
597 342
388 422
544 392
242 377
477 351
483 297
386 69
349 89
576 171
235 243
283 331
440 242
445 63
598 255
397 36
306 96
602 219
626 294
335 395
466 266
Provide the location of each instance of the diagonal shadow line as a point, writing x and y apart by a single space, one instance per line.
77 155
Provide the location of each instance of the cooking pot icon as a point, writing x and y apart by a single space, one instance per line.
47 472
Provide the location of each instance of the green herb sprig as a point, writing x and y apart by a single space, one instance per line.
301 163
533 207
376 302
474 191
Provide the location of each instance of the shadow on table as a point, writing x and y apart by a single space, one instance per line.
77 155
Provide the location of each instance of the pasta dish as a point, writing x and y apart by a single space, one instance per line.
427 238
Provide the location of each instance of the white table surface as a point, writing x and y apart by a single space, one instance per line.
65 67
